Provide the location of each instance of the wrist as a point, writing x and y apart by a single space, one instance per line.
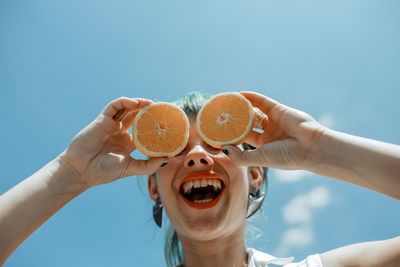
64 179
320 149
330 155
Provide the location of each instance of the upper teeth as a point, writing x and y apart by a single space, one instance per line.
187 186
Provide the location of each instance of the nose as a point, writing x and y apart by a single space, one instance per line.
198 157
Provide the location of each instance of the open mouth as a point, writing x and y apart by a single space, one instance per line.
202 193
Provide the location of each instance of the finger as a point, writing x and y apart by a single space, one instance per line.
144 167
281 118
120 114
127 121
253 138
259 131
277 154
131 145
118 108
246 157
264 103
259 119
263 130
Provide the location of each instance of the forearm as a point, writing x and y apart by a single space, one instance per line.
30 203
374 253
365 162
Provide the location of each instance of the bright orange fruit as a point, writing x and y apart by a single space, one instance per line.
225 119
160 130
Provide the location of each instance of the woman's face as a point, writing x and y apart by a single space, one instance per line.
203 191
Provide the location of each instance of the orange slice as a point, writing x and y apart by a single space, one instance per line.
225 119
160 130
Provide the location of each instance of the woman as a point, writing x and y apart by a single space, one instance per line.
212 235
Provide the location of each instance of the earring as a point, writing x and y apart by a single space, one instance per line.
157 212
254 203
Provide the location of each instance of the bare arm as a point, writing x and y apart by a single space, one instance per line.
294 140
33 201
367 254
361 161
99 154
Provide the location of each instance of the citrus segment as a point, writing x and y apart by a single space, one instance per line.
160 130
225 119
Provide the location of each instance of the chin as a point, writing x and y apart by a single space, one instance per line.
207 228
204 231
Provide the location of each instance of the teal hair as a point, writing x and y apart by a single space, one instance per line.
191 104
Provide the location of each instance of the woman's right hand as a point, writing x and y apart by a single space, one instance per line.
287 141
100 153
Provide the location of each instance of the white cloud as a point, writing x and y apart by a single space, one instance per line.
289 176
319 197
300 210
327 120
297 237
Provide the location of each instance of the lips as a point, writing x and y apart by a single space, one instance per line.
202 190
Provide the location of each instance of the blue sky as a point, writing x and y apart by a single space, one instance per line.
62 61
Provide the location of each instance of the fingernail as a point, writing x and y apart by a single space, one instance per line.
163 164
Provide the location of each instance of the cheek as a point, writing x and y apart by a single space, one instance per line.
239 178
239 189
166 189
164 183
166 174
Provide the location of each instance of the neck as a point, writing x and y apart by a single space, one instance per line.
225 251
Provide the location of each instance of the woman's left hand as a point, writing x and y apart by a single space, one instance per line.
288 138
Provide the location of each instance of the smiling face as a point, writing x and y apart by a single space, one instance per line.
203 191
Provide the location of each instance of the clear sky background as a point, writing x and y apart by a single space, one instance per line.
62 61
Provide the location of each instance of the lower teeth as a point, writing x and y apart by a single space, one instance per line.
203 200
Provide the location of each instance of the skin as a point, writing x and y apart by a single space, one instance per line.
215 236
295 140
100 154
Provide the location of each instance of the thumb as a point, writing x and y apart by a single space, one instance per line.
144 167
247 157
277 154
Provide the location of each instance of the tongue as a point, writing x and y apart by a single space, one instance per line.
199 196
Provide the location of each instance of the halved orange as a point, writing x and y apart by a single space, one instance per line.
225 119
160 130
